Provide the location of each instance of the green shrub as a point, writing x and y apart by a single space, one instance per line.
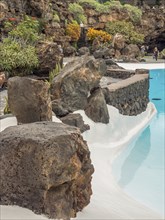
126 29
27 31
113 4
15 57
101 8
134 13
18 54
78 13
56 17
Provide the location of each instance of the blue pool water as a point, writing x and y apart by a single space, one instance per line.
139 169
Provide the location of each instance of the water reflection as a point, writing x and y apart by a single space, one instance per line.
135 158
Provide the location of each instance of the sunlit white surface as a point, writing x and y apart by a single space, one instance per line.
105 141
131 66
108 200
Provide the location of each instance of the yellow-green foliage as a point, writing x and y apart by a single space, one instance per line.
127 29
78 13
73 30
56 17
17 51
15 56
54 72
26 31
134 12
99 7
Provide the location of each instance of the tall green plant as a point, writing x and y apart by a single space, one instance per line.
54 72
78 13
18 54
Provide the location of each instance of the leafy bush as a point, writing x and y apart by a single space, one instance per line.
126 29
27 31
113 4
99 7
134 12
14 57
78 12
73 30
56 17
17 51
92 34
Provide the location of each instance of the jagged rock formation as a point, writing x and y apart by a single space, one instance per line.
75 120
49 55
153 27
29 100
45 167
72 86
97 108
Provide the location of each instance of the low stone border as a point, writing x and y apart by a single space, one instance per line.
120 73
129 96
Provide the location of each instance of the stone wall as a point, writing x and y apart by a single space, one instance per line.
119 73
129 96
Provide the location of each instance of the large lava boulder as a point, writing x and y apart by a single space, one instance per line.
97 108
46 167
49 55
74 83
29 99
131 51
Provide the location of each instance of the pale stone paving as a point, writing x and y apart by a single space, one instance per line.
3 94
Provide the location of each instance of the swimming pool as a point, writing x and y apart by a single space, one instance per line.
139 169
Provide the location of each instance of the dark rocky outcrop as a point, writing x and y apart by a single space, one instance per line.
130 96
97 109
29 100
69 51
111 64
49 56
83 51
46 167
142 71
72 86
104 53
75 120
131 51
